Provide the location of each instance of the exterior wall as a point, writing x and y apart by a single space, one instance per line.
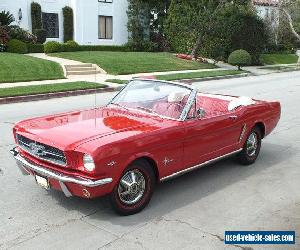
86 14
268 13
86 21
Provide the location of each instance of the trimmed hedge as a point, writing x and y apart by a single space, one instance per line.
16 46
71 46
52 46
68 23
120 48
36 16
35 48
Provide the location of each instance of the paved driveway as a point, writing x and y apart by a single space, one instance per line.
191 212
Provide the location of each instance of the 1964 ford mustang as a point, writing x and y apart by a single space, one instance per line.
151 131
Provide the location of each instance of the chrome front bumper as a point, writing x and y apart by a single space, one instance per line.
23 164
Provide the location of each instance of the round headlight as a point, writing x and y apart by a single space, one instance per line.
88 162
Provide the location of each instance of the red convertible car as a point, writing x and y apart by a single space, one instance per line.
149 132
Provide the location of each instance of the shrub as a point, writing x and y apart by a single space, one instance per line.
36 16
35 48
16 46
239 58
41 35
52 46
4 37
16 32
68 23
146 46
70 46
6 18
121 48
72 43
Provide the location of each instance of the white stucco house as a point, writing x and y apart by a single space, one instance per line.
267 10
96 22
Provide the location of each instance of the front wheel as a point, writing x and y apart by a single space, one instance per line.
134 189
251 147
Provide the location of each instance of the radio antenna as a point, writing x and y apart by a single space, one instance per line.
95 88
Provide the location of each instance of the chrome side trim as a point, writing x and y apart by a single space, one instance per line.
184 171
23 164
243 133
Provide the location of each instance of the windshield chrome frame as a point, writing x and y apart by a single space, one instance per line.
185 110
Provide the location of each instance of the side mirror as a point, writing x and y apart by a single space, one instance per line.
201 113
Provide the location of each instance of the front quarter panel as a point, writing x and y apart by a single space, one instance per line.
112 154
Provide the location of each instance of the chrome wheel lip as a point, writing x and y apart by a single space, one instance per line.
132 187
252 144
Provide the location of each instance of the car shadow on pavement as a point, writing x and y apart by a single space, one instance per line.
182 191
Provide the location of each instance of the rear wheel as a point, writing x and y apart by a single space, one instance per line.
251 147
134 189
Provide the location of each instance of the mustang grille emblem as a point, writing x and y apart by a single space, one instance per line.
38 150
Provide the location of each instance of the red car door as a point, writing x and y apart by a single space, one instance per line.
208 138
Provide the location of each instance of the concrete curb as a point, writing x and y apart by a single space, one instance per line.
212 78
46 96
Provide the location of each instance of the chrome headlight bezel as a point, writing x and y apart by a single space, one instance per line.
88 162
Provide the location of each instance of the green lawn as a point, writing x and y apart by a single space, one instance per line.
21 68
133 62
271 59
118 81
48 88
195 75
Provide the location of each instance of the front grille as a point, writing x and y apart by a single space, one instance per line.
42 151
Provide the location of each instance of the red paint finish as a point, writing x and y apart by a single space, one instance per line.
115 134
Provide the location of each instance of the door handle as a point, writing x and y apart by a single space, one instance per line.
233 117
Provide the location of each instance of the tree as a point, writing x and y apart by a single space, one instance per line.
196 21
145 23
6 18
138 23
291 9
215 28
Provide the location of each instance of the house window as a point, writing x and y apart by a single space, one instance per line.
50 24
105 27
105 1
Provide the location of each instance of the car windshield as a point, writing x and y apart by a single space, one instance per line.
160 98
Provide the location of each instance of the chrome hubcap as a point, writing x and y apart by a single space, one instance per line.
252 143
131 187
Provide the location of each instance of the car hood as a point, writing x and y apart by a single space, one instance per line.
69 130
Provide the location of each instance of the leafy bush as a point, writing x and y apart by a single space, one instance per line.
16 32
70 46
41 35
72 43
4 37
36 16
52 46
6 18
239 58
16 46
146 46
68 23
35 48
